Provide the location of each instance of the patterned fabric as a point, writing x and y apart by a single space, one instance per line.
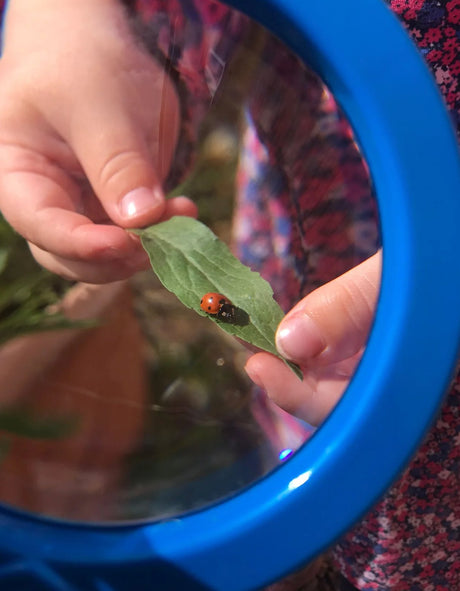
410 541
434 26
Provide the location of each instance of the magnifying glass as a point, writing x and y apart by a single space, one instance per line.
290 491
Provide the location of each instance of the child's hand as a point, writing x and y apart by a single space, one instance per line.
88 127
325 334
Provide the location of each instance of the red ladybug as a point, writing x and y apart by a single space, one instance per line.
216 304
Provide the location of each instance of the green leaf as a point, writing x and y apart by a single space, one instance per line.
191 261
27 291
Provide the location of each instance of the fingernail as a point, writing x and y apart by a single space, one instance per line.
140 201
254 376
299 338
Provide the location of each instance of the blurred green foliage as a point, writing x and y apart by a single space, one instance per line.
27 291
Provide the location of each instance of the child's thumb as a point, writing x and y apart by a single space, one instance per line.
124 178
125 166
333 322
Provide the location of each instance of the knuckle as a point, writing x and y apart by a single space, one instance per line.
119 168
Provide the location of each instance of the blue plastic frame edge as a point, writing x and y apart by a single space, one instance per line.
287 518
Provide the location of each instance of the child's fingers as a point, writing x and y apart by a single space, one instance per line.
102 266
179 206
311 399
333 322
95 271
126 155
42 210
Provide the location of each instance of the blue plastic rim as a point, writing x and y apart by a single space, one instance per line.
290 516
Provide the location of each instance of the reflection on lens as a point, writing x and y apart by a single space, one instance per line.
148 412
